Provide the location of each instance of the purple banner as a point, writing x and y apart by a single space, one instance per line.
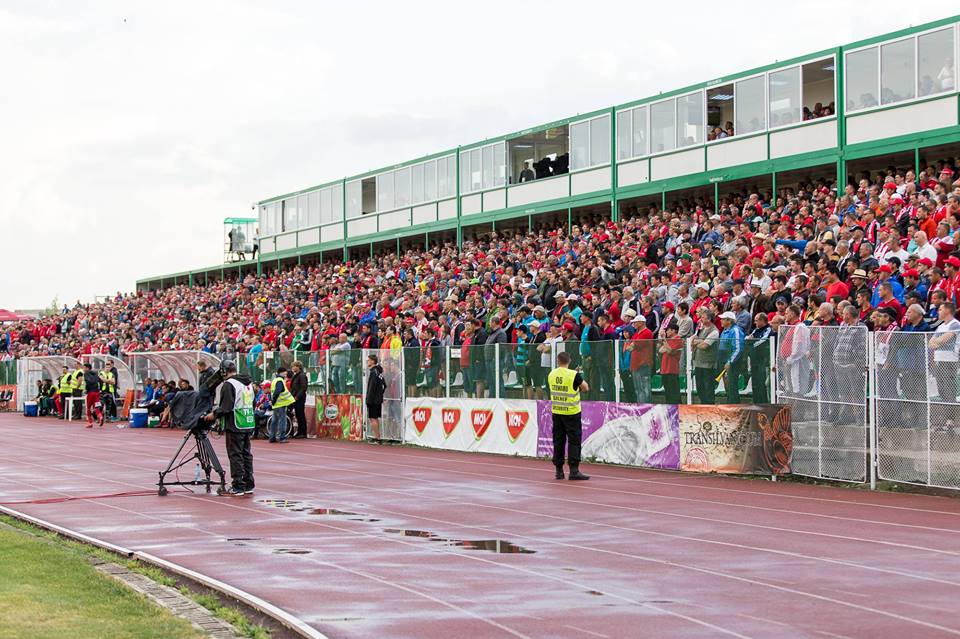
634 434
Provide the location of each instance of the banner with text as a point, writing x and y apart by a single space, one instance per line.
739 439
644 435
504 426
339 417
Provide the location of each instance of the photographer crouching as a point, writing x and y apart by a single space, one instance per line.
233 405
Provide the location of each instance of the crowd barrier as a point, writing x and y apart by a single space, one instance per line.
741 439
863 405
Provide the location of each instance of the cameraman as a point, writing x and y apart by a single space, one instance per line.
233 404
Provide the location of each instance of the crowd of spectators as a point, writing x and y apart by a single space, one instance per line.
882 251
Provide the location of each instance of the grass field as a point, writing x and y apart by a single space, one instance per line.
51 591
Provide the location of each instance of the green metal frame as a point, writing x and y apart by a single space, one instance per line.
838 156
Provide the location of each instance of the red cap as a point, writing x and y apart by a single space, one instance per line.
890 185
786 219
568 326
807 221
926 261
668 305
911 272
953 261
887 269
946 170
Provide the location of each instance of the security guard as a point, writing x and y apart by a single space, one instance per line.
108 388
280 398
77 385
565 386
64 392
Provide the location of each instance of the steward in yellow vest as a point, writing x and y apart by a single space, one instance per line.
565 386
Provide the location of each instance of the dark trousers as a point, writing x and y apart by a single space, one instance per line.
758 377
706 385
567 436
300 410
732 381
946 375
241 460
671 388
628 391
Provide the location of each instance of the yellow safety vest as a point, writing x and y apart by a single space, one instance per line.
78 380
107 381
285 397
565 399
66 384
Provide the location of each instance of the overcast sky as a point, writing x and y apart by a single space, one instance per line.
131 129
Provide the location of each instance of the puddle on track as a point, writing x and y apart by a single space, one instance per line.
498 546
291 551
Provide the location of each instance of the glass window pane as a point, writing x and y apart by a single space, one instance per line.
385 192
302 211
475 170
465 172
500 164
624 135
748 101
579 145
640 131
354 199
289 214
897 72
444 178
690 119
861 78
937 70
316 204
402 187
785 97
662 136
451 186
430 180
600 141
336 195
487 167
416 184
277 224
326 206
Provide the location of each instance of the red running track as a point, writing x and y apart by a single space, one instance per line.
630 553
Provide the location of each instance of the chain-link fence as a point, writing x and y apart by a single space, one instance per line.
822 372
917 415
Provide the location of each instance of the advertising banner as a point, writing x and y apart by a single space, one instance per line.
340 417
644 435
504 426
737 439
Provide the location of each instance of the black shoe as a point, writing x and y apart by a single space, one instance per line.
272 441
576 475
559 474
236 492
299 437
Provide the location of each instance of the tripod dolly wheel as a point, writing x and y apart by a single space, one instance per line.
162 491
221 491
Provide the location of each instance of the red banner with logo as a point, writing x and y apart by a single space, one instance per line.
502 426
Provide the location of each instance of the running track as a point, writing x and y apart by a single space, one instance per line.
630 553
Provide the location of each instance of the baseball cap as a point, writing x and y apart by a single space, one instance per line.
953 261
911 272
886 268
638 319
926 261
728 315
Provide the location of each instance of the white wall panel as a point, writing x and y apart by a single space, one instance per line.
424 214
495 200
361 226
736 152
395 220
912 118
470 204
803 139
331 233
308 237
268 245
590 181
633 173
286 242
538 191
447 209
683 163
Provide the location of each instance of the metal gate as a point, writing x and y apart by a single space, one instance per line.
918 418
391 421
822 376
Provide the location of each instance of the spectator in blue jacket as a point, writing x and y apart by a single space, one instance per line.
730 355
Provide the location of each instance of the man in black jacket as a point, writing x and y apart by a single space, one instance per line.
376 386
231 406
298 388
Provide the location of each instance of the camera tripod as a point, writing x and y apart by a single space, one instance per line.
206 457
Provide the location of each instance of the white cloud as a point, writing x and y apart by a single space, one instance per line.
130 130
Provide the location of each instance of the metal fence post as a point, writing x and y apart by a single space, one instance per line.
774 380
496 368
818 392
688 356
926 389
616 370
871 385
446 375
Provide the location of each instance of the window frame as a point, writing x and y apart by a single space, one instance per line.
589 124
466 165
955 27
